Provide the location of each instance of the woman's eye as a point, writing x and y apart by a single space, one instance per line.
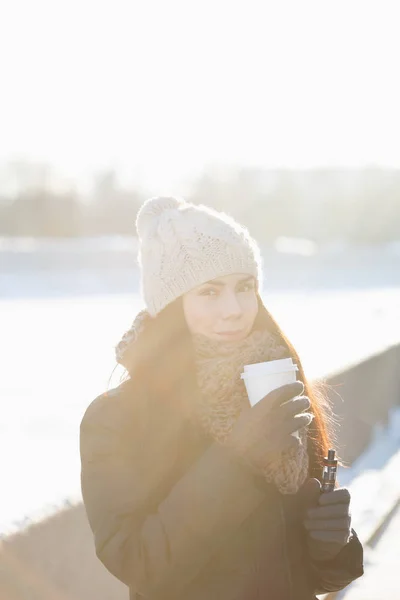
209 292
246 287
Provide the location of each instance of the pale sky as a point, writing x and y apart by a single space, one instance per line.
159 89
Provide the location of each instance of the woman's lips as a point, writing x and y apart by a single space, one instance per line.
231 334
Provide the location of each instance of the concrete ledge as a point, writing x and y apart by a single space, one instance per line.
55 559
363 396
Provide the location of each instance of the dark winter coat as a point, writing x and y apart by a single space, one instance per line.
176 517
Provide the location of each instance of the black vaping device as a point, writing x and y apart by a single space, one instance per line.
329 472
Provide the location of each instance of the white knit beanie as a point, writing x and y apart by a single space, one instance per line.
182 245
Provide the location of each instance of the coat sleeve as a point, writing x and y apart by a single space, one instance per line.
335 574
156 549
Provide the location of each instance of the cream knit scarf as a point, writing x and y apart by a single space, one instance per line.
223 396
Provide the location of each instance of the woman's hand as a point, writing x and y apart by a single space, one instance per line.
265 430
328 523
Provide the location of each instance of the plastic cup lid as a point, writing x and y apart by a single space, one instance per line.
270 367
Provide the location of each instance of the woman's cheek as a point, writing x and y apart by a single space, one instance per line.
250 305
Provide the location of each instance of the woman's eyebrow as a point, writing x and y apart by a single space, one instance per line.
219 283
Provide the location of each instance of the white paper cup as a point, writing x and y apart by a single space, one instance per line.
262 378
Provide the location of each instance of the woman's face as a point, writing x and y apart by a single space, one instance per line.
222 309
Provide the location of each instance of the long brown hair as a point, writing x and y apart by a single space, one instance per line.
163 354
322 429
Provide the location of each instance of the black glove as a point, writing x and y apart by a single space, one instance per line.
327 520
264 431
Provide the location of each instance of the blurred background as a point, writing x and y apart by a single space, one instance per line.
284 115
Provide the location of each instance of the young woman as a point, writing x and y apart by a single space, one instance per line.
190 492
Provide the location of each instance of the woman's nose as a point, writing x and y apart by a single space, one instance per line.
231 306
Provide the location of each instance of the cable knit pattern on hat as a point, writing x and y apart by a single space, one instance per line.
182 245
